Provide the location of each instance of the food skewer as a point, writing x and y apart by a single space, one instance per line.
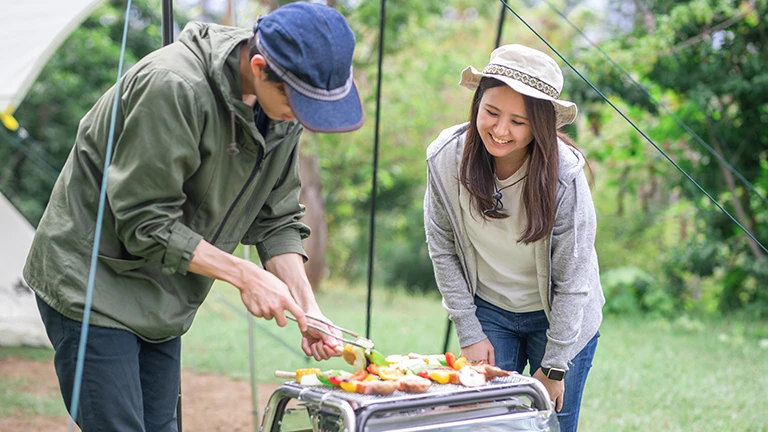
323 331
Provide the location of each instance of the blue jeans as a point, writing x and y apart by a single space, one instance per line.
128 384
520 338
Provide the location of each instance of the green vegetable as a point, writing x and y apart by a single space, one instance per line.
325 377
376 358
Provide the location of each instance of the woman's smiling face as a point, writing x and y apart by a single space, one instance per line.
503 124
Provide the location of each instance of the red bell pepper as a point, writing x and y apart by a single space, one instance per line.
357 376
450 358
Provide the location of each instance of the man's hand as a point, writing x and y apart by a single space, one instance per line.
556 389
263 294
482 350
270 293
290 269
266 296
319 345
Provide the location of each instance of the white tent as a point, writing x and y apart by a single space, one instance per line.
20 322
30 32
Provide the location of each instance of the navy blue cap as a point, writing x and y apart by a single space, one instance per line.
310 47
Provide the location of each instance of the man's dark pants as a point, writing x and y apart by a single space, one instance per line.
128 384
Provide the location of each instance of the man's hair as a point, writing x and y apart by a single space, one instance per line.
254 50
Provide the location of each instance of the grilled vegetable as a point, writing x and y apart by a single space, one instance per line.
354 356
396 358
307 371
309 380
443 376
449 359
391 374
307 377
376 357
332 378
459 363
470 377
357 376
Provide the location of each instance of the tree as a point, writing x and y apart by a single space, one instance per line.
706 60
74 78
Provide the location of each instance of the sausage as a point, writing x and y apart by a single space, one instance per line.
379 388
490 372
414 384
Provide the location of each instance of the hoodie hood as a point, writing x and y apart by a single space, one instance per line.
212 44
571 162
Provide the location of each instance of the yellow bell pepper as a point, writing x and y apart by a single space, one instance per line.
390 373
350 386
440 376
307 371
459 363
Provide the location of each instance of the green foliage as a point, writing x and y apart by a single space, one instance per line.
74 78
631 291
650 217
699 58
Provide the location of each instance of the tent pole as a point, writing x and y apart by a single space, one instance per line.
374 187
167 22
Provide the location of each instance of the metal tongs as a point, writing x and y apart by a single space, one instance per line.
361 342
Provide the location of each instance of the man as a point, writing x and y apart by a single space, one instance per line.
205 157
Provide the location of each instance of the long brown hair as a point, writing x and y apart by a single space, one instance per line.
539 188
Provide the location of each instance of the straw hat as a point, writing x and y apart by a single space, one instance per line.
527 71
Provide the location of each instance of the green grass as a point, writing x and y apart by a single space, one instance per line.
14 397
39 354
686 375
680 376
14 400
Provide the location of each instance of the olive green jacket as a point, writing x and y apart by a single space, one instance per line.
188 164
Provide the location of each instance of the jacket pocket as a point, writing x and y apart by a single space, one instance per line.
121 266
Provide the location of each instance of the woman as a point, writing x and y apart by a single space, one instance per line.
510 226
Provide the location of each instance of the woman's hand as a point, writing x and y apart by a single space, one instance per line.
556 389
482 350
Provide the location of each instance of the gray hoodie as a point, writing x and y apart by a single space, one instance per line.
566 262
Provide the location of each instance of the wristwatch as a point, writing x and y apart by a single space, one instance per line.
554 374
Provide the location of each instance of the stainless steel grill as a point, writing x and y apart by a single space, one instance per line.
515 402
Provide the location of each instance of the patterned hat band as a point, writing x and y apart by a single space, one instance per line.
497 69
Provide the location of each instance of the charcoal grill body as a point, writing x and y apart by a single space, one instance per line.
513 403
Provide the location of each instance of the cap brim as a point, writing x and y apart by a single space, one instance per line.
565 111
343 115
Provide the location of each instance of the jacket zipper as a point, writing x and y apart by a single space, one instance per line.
255 171
245 186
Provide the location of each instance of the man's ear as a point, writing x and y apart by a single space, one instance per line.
258 64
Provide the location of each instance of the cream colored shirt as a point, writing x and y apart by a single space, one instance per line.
506 269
